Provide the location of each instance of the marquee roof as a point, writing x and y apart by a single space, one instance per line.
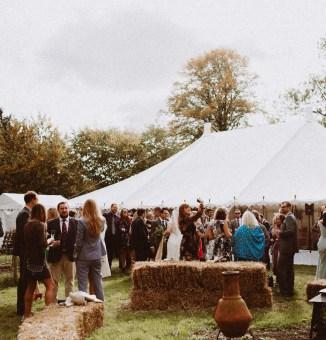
276 162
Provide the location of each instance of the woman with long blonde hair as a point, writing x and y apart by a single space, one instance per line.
89 248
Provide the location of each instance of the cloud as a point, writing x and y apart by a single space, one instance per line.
125 50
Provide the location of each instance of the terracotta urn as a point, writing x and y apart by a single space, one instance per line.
232 314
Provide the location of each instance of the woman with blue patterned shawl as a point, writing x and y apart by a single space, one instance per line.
248 239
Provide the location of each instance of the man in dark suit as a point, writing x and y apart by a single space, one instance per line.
112 234
60 256
288 247
30 199
139 237
236 222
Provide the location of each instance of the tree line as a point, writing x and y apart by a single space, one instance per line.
217 87
33 154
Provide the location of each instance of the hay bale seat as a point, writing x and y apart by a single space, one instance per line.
188 285
58 323
313 288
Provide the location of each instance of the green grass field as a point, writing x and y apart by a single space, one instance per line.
122 323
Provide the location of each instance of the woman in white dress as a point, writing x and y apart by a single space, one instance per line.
321 245
174 241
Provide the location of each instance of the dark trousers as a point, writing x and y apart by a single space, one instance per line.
22 285
285 270
112 248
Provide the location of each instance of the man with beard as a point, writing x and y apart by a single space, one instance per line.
288 247
60 256
30 199
236 222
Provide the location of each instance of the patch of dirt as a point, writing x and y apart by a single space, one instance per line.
293 333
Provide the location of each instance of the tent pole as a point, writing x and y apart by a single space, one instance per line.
294 206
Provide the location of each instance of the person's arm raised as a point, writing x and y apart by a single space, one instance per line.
198 213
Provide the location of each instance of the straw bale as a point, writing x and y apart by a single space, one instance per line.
185 285
210 298
313 287
263 298
191 299
167 299
55 322
182 275
149 299
212 276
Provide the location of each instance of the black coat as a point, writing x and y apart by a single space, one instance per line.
108 233
19 244
139 239
288 236
53 227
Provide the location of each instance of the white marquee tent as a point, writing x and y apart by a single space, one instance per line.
272 163
11 204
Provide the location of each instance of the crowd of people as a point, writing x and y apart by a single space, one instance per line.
59 242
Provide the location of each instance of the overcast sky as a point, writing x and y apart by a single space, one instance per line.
103 63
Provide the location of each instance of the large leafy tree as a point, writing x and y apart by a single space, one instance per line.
157 144
312 91
109 156
106 156
33 156
216 88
